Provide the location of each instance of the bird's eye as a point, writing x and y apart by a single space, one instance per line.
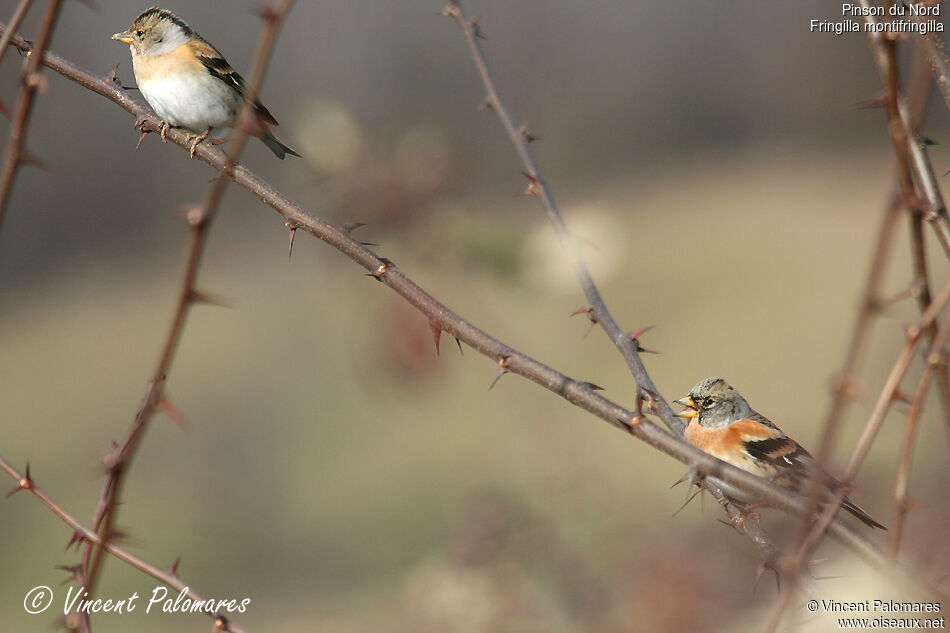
140 32
708 402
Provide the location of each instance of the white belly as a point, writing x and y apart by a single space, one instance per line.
191 101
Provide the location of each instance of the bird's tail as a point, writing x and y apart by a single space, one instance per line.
861 515
275 145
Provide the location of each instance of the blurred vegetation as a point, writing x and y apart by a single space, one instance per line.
336 470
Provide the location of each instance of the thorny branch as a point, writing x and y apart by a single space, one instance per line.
31 81
596 310
83 533
511 360
199 219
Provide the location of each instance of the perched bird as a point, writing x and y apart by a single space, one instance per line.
723 424
188 82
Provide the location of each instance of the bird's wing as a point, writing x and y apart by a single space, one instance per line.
219 67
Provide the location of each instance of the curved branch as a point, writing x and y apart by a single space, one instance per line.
199 219
83 533
509 359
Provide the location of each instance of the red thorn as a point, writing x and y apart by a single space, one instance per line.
196 296
29 158
75 539
901 396
641 331
877 101
592 386
74 572
167 407
173 570
582 310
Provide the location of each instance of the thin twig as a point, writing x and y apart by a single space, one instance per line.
84 533
936 359
597 310
199 219
512 361
537 186
15 21
930 199
30 82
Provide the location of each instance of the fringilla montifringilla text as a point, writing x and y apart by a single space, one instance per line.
188 82
723 424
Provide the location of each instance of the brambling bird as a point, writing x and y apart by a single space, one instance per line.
188 82
723 424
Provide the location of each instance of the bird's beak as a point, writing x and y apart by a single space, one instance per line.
691 411
125 37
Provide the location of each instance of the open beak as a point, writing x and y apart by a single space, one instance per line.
691 410
125 37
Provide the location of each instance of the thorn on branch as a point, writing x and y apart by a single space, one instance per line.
533 188
436 334
877 101
75 571
24 483
173 570
528 136
196 296
76 539
486 104
26 157
590 385
900 396
166 406
293 226
349 228
589 311
765 566
502 370
459 343
477 29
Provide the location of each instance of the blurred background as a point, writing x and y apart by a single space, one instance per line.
337 471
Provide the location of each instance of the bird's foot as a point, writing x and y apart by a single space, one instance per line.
197 138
